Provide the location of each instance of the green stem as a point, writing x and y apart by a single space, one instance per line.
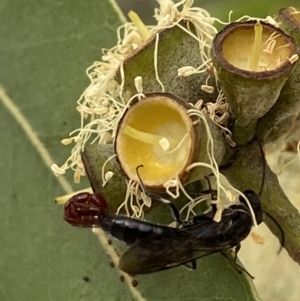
246 173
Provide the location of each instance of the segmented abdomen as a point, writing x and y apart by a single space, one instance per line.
127 229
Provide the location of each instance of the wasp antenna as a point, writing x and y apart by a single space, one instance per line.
156 197
141 182
264 168
282 240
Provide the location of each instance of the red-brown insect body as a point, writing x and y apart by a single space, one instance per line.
85 209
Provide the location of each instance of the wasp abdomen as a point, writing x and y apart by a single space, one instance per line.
127 229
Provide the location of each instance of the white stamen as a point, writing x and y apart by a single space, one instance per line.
101 111
146 199
67 141
57 170
77 175
164 143
186 71
294 58
208 89
138 82
108 175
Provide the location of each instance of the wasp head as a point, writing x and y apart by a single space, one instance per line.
255 204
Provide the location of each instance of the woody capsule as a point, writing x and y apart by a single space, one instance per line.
159 133
253 60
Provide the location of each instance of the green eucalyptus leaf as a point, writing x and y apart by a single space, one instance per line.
45 48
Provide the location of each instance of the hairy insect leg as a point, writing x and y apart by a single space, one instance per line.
174 210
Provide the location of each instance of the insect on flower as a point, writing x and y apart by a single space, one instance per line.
154 247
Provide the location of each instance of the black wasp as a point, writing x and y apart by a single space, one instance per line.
154 247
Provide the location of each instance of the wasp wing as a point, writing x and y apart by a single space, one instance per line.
177 246
158 253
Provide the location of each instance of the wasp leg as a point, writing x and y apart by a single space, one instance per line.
174 210
238 268
282 238
192 265
236 250
210 190
213 194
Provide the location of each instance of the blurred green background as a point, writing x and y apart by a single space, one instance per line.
217 8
